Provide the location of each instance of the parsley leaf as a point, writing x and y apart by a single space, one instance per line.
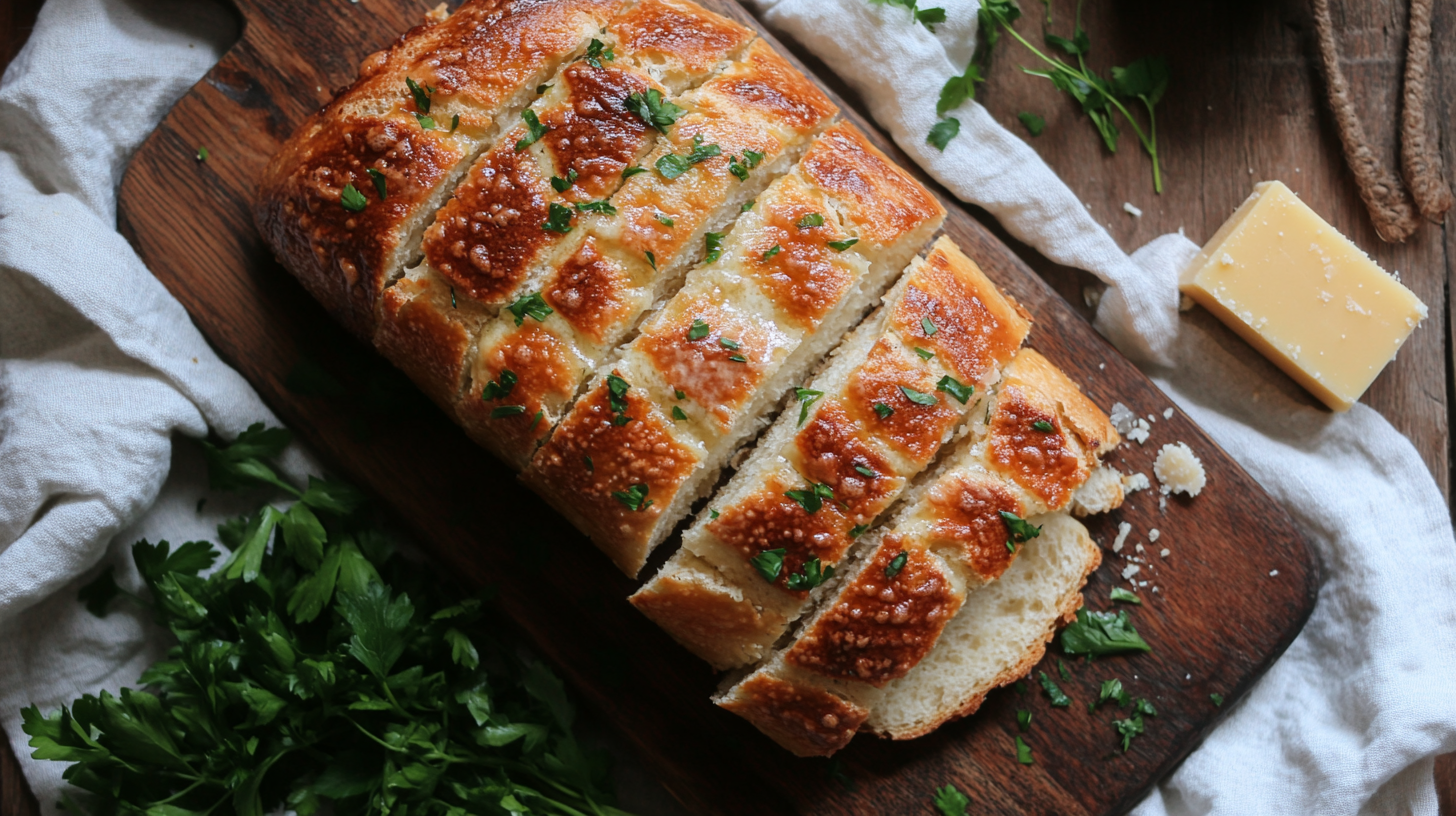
426 123
351 199
534 130
952 386
813 498
202 154
1112 690
501 387
883 410
942 132
596 52
747 205
928 326
1058 697
812 575
379 624
604 207
810 221
857 530
896 564
1120 594
714 241
379 185
673 165
634 498
867 472
840 246
421 96
951 802
651 259
1129 728
561 185
731 345
1023 751
958 89
1018 529
769 563
1034 124
927 355
617 389
1216 698
241 464
677 414
1102 633
653 109
98 594
806 398
918 397
1023 720
532 305
930 17
503 411
772 251
1043 426
629 172
698 330
558 219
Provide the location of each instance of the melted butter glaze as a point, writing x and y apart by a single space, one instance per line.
591 291
1043 463
915 430
967 512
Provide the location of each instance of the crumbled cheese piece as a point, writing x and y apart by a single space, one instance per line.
1153 534
1166 552
1133 482
1123 528
1091 295
1179 470
1130 571
1131 210
1163 503
1168 414
1152 418
1186 304
1140 431
1138 547
1121 417
1273 573
1141 584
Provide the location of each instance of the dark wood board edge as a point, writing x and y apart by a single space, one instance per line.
159 153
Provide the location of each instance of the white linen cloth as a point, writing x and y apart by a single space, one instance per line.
101 372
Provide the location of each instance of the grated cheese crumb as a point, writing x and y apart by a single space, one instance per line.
1130 571
1133 482
1179 470
1139 548
1123 528
1166 552
1131 210
1168 414
1153 535
1273 573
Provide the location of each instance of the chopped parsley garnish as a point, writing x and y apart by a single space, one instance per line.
1112 690
698 330
896 564
653 109
353 200
536 420
202 153
1102 633
421 95
1023 751
928 326
503 411
1062 670
772 251
629 172
651 259
952 386
840 246
540 89
664 220
925 355
1120 594
678 392
454 123
677 414
806 398
769 563
813 498
617 389
943 131
532 305
864 471
752 158
857 530
918 397
951 802
1058 697
1043 426
883 410
1023 720
739 170
737 358
1129 728
426 123
731 345
812 575
591 466
1142 706
596 52
604 207
1019 529
810 221
713 514
747 205
1034 124
673 165
501 387
1216 698
452 297
534 130
714 241
634 498
558 219
561 185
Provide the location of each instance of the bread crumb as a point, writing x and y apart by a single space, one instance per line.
1141 584
1166 552
1131 210
1153 534
1130 571
1133 482
1179 470
1123 528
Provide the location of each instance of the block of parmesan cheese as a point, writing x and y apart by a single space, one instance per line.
1304 295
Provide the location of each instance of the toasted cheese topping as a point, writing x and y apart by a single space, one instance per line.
831 450
722 369
881 625
592 291
1045 463
592 132
543 373
888 203
915 430
810 721
765 83
972 329
684 36
767 520
804 278
488 237
966 509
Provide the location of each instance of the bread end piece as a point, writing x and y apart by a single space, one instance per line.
802 717
691 600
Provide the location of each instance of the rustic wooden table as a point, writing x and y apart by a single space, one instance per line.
1245 104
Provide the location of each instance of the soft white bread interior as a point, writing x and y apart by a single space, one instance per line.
942 335
1000 634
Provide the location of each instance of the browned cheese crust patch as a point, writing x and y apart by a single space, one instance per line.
880 626
831 451
428 342
805 278
806 720
678 32
914 429
593 133
541 365
591 291
770 520
967 512
967 336
884 201
1042 462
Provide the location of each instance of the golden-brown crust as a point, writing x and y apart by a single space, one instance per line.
880 625
830 449
545 374
591 458
880 197
966 509
488 238
345 258
975 328
768 520
592 133
1093 427
424 333
591 291
692 39
1043 462
806 720
706 616
804 277
913 429
722 370
766 86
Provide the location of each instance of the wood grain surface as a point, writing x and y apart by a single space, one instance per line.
1248 59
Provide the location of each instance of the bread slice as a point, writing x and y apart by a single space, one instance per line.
638 251
516 217
482 64
791 279
959 530
944 307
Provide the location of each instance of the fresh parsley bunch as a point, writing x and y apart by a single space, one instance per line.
315 670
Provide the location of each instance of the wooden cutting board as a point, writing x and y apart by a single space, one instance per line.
1221 613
